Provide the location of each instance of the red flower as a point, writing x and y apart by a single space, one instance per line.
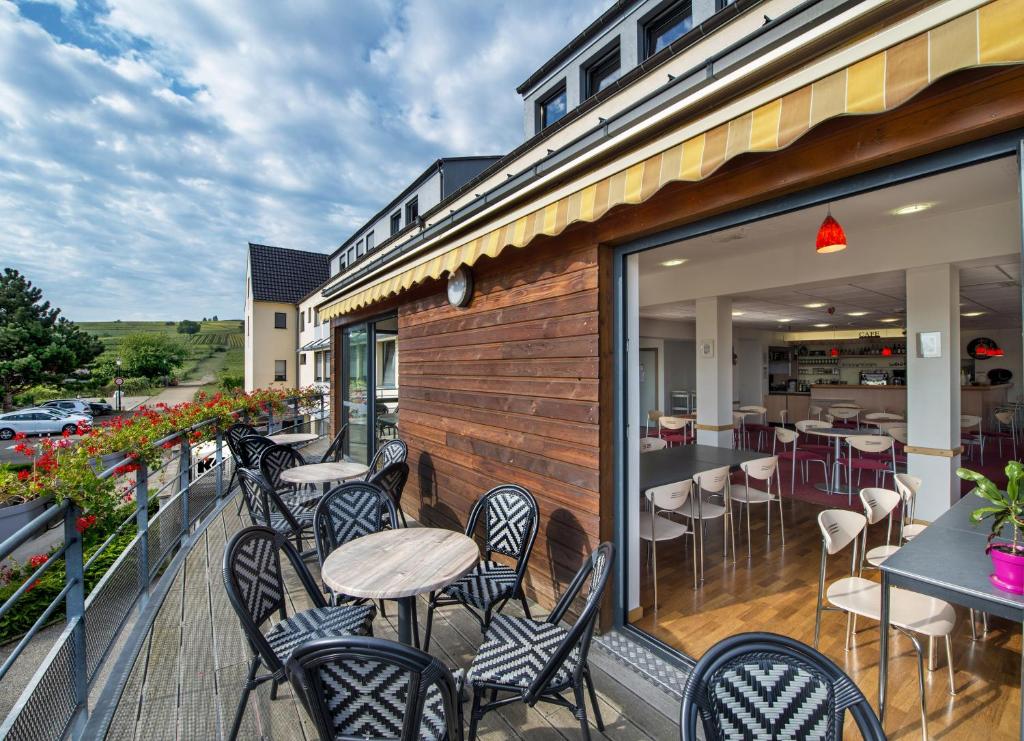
23 474
20 436
66 433
85 522
38 560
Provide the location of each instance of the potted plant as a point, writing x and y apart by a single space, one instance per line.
1006 510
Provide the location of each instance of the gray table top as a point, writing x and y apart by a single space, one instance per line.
949 556
668 465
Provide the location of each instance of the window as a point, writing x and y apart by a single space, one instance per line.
302 358
302 321
667 26
318 364
327 365
316 318
280 370
359 249
552 107
280 320
351 256
412 210
369 241
601 72
396 222
310 312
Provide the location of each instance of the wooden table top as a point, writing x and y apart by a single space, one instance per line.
324 473
293 438
399 563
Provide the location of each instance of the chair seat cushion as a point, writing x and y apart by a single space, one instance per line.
487 584
516 649
319 622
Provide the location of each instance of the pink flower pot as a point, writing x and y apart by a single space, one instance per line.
1009 569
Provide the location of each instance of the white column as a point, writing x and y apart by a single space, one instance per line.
933 387
714 371
633 428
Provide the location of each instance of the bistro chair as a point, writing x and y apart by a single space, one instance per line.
374 689
762 428
1005 429
909 612
768 686
511 519
761 469
385 429
845 416
866 453
797 458
699 508
535 661
233 436
655 525
274 461
653 416
739 429
252 447
971 434
876 417
389 452
268 509
347 512
392 480
879 504
814 411
647 444
908 486
257 590
806 428
336 450
674 430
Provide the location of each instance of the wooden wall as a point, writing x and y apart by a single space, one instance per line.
506 390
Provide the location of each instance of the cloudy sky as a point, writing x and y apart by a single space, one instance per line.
144 143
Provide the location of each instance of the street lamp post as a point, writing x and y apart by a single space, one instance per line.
118 392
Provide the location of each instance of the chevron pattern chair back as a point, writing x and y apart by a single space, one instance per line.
390 452
762 685
255 496
336 451
233 436
277 459
391 479
370 688
348 512
511 518
252 447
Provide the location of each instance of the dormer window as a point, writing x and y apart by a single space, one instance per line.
666 26
602 71
369 242
396 223
553 106
412 210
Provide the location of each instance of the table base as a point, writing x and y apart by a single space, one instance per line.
408 627
837 490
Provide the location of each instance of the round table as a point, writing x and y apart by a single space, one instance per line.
400 564
293 438
837 434
323 473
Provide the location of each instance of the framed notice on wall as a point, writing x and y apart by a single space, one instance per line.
929 344
707 348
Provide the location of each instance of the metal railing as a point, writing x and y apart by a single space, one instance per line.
56 700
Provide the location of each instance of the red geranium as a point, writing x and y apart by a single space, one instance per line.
85 522
38 560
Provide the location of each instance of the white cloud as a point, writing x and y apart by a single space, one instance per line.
141 149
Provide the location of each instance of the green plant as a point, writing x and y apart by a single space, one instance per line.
1004 508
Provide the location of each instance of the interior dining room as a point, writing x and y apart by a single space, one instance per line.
786 342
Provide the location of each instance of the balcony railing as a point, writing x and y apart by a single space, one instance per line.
74 690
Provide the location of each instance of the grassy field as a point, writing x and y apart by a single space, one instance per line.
216 348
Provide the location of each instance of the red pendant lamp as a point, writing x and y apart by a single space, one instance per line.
831 237
886 352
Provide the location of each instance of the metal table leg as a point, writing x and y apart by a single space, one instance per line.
406 608
883 647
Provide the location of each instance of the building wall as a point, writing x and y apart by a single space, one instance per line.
506 390
265 344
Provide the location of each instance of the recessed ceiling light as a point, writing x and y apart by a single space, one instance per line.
821 325
912 208
889 320
856 313
813 306
738 313
783 321
972 313
673 263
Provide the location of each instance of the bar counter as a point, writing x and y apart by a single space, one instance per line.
977 400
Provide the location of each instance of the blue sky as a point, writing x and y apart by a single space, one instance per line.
144 143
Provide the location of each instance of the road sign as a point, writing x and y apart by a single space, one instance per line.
119 381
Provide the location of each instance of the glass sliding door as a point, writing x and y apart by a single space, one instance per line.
369 385
355 375
385 408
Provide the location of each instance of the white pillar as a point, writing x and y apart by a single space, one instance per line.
933 387
714 371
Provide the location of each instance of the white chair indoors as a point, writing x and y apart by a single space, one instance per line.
739 429
971 434
760 469
655 527
873 453
876 417
812 442
909 612
879 504
845 416
674 430
652 418
709 501
814 411
647 444
908 486
1005 429
801 459
784 417
759 424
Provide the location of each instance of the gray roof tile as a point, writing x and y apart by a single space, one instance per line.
280 274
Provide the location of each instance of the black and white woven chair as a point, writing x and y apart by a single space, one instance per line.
347 512
536 661
392 480
267 508
233 436
275 461
762 685
252 448
511 519
390 452
369 688
336 450
256 589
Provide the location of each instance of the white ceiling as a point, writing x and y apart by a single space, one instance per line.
991 286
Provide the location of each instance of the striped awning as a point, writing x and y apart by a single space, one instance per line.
992 34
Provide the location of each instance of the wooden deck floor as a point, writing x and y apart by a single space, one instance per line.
187 679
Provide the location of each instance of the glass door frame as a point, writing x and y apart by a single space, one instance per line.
341 365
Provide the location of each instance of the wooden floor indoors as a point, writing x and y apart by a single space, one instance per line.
775 591
186 681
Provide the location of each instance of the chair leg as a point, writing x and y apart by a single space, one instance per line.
526 606
581 712
474 714
593 698
244 699
949 664
401 513
273 689
430 623
920 684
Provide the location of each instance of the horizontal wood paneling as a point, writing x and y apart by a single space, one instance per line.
506 390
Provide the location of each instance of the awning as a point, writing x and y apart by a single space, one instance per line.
992 34
316 344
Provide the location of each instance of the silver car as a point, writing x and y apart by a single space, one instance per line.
74 406
40 421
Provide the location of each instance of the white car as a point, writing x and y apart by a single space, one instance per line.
40 421
74 406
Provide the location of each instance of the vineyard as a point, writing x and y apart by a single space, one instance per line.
224 339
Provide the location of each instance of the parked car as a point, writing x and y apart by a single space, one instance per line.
40 421
70 405
100 408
